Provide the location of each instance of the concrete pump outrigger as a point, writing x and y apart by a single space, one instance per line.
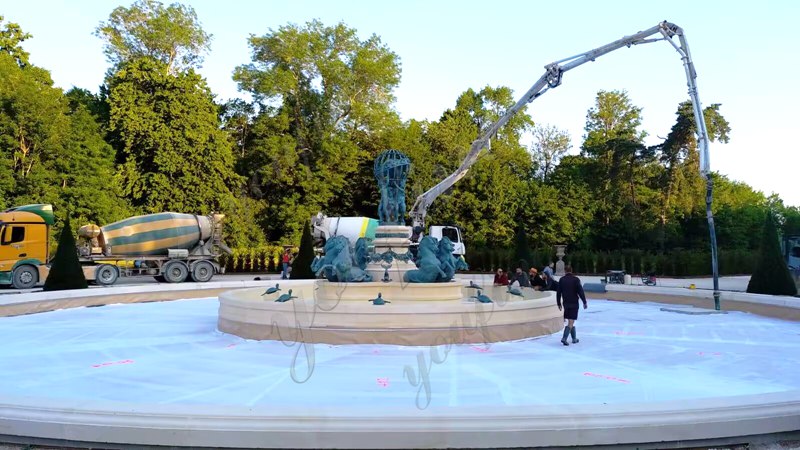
551 79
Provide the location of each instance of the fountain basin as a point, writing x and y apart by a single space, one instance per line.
419 314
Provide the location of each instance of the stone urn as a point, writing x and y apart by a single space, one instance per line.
560 263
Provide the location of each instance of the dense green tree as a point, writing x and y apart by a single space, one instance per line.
682 187
86 172
242 228
170 34
486 202
11 36
33 130
96 104
320 89
174 155
51 148
237 116
65 271
558 213
549 145
620 166
791 223
771 275
6 181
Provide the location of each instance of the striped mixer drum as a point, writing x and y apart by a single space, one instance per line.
154 234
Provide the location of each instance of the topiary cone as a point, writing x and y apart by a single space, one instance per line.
771 275
65 268
301 266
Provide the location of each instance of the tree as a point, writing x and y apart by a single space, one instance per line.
620 169
51 148
681 184
486 202
65 271
171 35
237 116
301 267
86 173
320 90
33 130
173 154
771 275
549 145
558 212
11 36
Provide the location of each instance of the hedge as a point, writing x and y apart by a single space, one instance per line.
265 258
677 263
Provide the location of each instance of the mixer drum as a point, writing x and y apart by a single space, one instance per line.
154 234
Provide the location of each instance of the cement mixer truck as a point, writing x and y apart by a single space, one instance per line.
169 246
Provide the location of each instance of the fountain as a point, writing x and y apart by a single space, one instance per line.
419 300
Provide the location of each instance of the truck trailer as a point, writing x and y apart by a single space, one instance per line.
169 246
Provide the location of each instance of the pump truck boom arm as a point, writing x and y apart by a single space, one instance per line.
552 78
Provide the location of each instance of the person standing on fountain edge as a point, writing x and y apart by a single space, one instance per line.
570 288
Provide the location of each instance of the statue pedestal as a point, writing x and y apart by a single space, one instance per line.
393 240
415 314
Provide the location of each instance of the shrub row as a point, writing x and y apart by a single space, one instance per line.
265 258
678 262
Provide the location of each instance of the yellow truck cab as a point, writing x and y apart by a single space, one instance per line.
24 246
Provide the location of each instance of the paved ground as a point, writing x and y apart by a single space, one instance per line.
172 353
737 283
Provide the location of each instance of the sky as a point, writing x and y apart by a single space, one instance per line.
744 53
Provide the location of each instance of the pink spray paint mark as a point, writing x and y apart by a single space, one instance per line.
709 353
113 363
606 377
628 333
231 346
481 349
376 352
383 382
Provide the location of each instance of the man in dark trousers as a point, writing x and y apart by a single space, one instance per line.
569 287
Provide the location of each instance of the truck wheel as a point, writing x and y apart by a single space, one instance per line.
175 271
25 277
106 275
202 271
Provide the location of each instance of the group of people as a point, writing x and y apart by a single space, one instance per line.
543 281
568 288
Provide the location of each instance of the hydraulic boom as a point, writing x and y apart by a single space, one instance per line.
552 78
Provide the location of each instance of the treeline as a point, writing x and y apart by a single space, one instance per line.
153 138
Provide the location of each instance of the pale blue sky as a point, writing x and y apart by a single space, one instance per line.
745 54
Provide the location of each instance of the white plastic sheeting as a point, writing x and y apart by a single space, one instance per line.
171 352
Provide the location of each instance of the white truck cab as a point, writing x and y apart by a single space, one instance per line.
452 233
